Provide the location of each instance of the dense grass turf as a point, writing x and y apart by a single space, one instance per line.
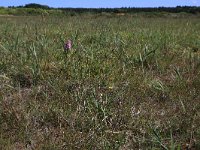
127 83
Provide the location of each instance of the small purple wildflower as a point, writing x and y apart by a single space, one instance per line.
68 45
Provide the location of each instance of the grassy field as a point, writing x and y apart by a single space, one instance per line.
129 82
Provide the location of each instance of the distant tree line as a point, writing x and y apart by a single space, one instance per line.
33 5
178 9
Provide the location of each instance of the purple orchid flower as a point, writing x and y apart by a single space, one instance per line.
68 45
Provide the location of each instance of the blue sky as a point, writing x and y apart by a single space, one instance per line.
103 3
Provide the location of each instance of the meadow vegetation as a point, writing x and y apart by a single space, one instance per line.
129 82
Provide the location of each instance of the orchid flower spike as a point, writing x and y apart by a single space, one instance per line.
68 45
